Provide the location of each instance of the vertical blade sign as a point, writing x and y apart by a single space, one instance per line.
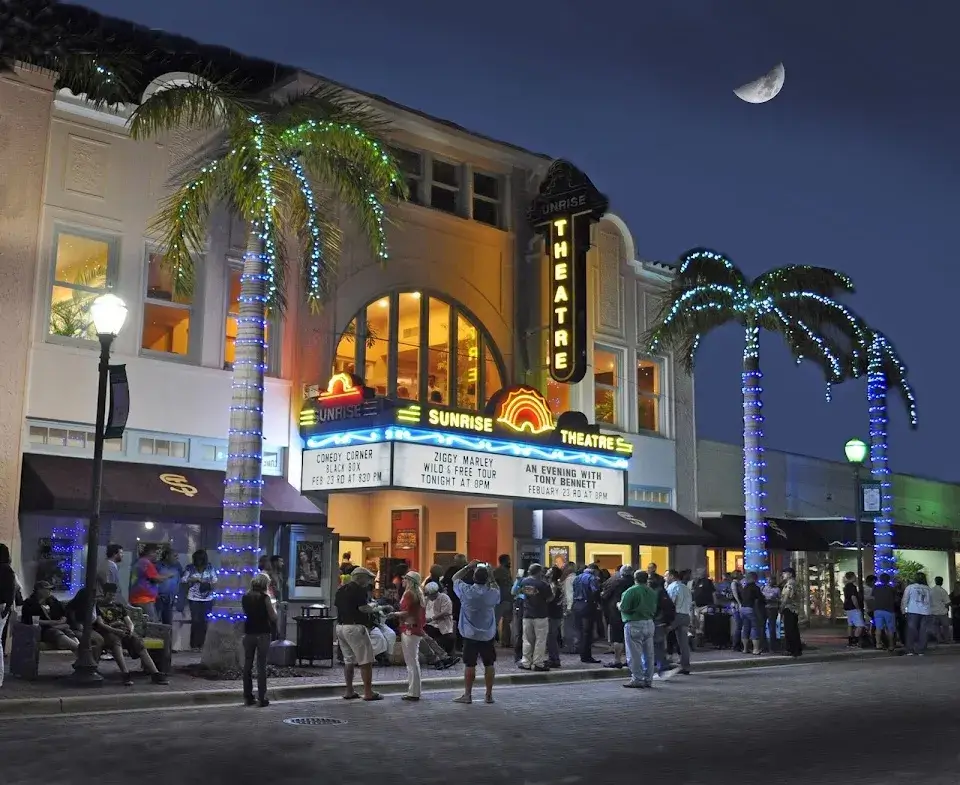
563 211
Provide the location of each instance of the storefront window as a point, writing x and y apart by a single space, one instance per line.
468 375
606 385
378 345
655 554
438 352
408 345
396 329
345 361
648 394
491 381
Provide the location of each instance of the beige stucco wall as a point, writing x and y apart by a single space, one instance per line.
25 102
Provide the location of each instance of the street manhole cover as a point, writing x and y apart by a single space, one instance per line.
314 721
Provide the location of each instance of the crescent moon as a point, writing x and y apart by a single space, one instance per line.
764 89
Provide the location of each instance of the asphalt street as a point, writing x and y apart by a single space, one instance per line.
883 721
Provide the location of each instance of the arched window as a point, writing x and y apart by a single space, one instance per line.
422 347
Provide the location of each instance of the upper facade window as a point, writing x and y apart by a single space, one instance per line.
84 267
420 347
166 314
649 379
270 330
452 187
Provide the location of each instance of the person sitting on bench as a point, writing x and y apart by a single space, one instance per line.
116 628
43 609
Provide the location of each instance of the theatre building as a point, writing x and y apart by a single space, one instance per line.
456 326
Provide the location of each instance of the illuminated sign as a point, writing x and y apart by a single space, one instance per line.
563 210
518 413
179 484
524 409
427 468
352 467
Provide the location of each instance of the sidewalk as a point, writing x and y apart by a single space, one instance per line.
52 694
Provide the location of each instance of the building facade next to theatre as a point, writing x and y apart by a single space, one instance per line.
811 508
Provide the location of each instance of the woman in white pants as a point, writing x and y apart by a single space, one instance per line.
413 618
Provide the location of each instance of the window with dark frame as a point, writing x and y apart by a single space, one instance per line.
486 199
445 186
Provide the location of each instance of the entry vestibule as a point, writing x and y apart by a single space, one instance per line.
421 528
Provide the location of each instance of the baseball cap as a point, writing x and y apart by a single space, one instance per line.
361 571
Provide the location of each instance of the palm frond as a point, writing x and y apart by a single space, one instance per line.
181 223
201 104
357 168
326 103
685 315
703 265
806 343
884 358
798 277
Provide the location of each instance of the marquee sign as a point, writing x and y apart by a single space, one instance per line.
563 211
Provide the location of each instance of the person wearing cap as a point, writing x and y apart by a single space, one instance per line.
355 617
45 610
114 624
413 617
440 617
477 625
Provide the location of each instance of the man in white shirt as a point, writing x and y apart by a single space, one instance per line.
439 626
916 606
682 598
940 612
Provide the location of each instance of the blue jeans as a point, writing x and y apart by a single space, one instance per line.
553 641
750 625
638 635
918 631
165 603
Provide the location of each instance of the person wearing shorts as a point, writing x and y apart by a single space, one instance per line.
354 620
116 628
853 609
885 612
479 595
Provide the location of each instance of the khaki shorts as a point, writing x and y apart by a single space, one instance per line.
355 644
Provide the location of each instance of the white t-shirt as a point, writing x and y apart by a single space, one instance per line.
440 605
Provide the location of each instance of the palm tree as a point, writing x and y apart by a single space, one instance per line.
50 36
796 301
885 371
262 162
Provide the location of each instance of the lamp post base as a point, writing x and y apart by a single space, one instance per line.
85 673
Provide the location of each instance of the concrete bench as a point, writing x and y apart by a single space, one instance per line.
26 646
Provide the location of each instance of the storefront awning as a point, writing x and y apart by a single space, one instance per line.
623 526
783 534
54 483
841 533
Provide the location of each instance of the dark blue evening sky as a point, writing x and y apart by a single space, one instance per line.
855 165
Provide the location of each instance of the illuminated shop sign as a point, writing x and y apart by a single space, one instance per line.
517 416
563 211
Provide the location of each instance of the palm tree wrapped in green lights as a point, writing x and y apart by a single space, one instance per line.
796 301
263 162
885 371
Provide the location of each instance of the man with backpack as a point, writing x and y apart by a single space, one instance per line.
704 598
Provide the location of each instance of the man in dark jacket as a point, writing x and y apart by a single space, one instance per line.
610 596
586 600
666 613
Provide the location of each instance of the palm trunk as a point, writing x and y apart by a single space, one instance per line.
755 556
240 533
884 561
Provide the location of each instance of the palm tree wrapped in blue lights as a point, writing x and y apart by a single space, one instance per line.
264 162
885 371
798 302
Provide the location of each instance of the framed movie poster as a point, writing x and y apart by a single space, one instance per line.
308 568
405 535
559 556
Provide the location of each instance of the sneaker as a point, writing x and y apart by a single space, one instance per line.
263 703
541 668
250 701
127 680
159 678
590 661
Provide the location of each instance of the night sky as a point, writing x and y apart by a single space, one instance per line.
855 165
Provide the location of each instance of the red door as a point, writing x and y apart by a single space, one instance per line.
482 534
405 537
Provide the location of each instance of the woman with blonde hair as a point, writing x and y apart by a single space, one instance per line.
413 618
261 620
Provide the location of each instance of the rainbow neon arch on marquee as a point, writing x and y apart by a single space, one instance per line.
525 409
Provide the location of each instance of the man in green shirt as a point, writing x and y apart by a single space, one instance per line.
638 606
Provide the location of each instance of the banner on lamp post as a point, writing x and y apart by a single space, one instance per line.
870 497
119 402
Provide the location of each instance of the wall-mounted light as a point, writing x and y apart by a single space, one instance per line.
148 525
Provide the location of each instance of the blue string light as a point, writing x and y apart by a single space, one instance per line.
883 368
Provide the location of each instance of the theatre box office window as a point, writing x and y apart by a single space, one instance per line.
422 481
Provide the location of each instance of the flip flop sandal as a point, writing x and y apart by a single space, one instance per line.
352 696
375 697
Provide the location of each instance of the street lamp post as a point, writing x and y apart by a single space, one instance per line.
856 451
109 313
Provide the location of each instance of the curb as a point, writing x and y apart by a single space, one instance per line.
124 701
